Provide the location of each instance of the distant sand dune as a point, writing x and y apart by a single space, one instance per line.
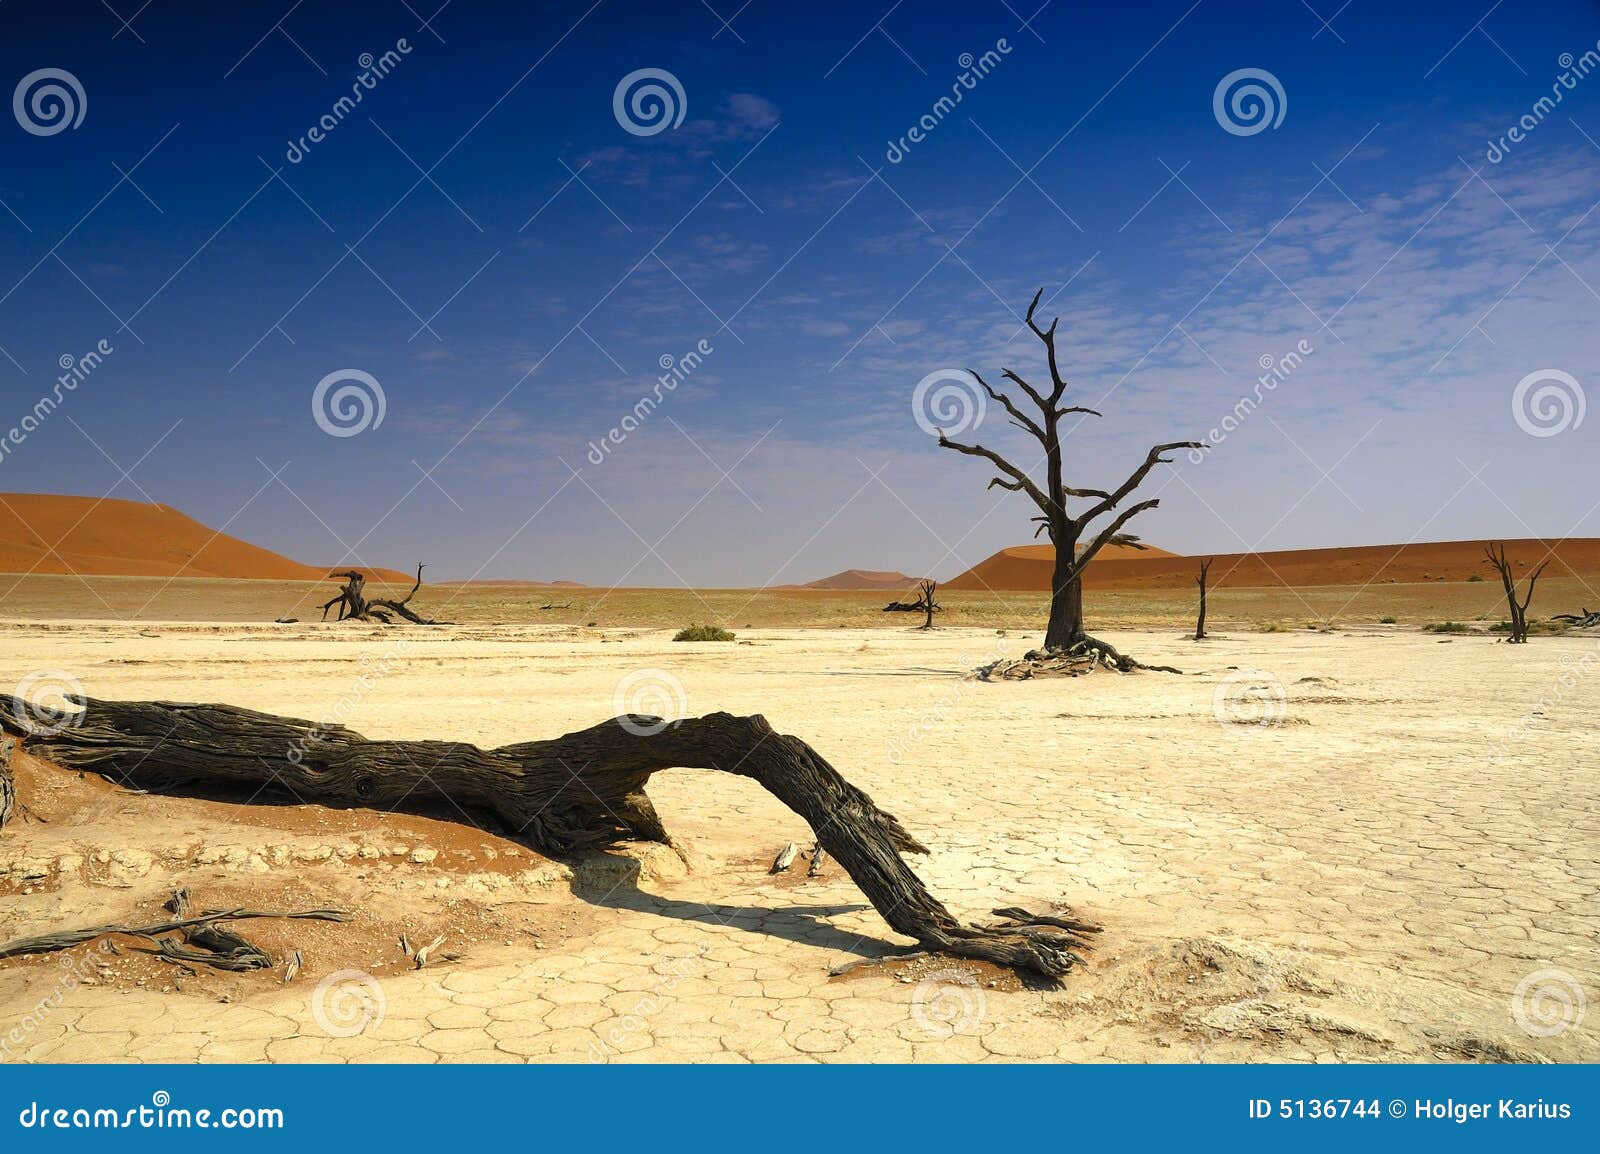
108 537
886 579
1027 567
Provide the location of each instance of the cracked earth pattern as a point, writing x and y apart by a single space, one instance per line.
1369 876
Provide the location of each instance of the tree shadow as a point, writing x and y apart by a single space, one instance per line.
806 925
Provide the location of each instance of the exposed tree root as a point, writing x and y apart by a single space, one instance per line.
1083 656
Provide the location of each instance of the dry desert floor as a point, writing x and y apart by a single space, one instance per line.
1352 846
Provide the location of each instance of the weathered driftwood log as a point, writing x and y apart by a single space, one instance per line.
563 796
354 605
8 788
66 939
1583 619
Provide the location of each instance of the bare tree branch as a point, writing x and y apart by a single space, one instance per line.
1022 419
1133 482
1022 483
1111 531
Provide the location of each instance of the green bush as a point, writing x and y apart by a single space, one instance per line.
1386 621
1476 577
1447 627
704 633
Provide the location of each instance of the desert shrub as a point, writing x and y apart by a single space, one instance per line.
1447 627
704 633
1386 621
1476 577
1269 627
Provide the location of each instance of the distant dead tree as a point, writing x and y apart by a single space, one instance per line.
1065 633
1200 622
1496 554
354 605
927 587
1583 619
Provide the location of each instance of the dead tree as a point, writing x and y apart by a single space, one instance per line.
527 788
354 606
927 587
1496 554
1075 544
1200 622
1583 619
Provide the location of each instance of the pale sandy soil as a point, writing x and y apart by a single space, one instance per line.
1371 878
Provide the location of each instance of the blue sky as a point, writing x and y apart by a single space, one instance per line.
484 238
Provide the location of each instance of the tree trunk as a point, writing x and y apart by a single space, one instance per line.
1066 600
1200 621
8 788
563 796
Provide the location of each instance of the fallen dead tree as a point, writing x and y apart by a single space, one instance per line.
355 606
1584 619
530 789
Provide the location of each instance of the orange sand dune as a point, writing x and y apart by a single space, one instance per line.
881 579
107 537
1028 567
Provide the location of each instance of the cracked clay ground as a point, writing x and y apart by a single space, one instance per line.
1383 874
